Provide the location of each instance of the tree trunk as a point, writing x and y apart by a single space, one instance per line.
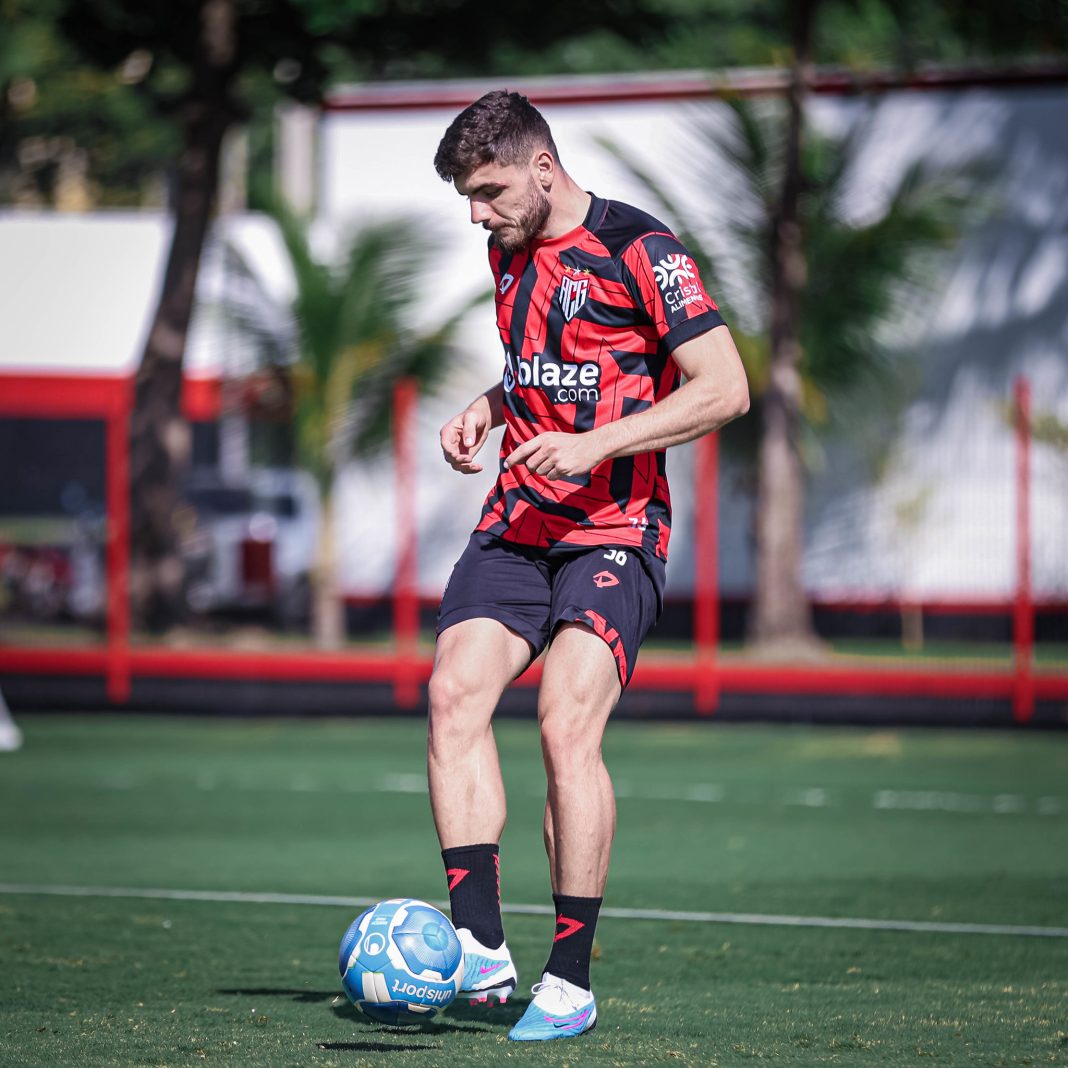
781 616
159 436
328 610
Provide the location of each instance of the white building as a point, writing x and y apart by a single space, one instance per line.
927 513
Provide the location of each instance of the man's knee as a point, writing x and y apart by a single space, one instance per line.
462 700
572 734
447 690
474 663
450 727
578 692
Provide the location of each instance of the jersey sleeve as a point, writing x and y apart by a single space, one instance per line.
665 282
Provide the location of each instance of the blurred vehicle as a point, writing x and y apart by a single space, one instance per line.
35 580
251 546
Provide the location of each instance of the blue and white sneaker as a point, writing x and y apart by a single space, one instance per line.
559 1009
487 972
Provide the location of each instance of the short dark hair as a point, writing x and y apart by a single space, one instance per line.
500 127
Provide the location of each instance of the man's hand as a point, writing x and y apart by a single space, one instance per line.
556 455
464 434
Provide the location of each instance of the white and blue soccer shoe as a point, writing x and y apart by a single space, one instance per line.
487 972
559 1009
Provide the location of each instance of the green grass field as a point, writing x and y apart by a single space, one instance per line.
937 827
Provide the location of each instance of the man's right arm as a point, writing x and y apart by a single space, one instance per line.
466 432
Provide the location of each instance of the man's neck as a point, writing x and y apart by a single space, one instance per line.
570 205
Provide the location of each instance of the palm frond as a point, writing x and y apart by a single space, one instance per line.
674 214
686 225
867 283
246 305
357 339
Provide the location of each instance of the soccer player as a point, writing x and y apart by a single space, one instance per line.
601 312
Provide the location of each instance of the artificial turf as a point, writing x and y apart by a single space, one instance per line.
934 826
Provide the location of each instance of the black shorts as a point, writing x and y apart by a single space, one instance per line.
615 591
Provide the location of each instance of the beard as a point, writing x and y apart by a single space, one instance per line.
531 220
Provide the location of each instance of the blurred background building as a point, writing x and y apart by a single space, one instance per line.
168 473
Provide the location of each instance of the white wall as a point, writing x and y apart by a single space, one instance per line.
929 513
79 290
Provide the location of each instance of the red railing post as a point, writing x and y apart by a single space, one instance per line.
117 552
1023 628
406 574
706 573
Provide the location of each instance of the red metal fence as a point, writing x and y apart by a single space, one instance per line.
700 672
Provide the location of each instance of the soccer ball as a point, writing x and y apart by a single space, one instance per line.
401 962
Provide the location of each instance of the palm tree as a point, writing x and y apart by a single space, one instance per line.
354 343
816 312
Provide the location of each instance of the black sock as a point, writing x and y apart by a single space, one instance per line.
576 920
474 874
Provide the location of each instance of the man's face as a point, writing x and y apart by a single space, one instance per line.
507 201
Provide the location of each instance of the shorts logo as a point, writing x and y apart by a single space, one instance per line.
572 294
605 578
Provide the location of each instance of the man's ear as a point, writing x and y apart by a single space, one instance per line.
544 168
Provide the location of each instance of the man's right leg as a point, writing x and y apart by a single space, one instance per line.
474 661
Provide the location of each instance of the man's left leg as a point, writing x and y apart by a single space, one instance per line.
580 687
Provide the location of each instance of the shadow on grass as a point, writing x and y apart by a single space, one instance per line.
459 1018
504 1015
305 996
374 1047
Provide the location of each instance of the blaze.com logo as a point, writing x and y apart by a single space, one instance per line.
563 383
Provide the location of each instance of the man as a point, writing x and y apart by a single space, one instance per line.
601 311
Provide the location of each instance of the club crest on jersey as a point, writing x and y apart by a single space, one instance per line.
572 293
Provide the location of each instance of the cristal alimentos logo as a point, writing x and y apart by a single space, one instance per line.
564 383
673 274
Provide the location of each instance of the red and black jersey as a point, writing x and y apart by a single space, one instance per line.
589 321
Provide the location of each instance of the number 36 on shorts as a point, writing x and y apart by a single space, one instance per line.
616 556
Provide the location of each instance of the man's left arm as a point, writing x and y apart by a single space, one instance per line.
714 393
